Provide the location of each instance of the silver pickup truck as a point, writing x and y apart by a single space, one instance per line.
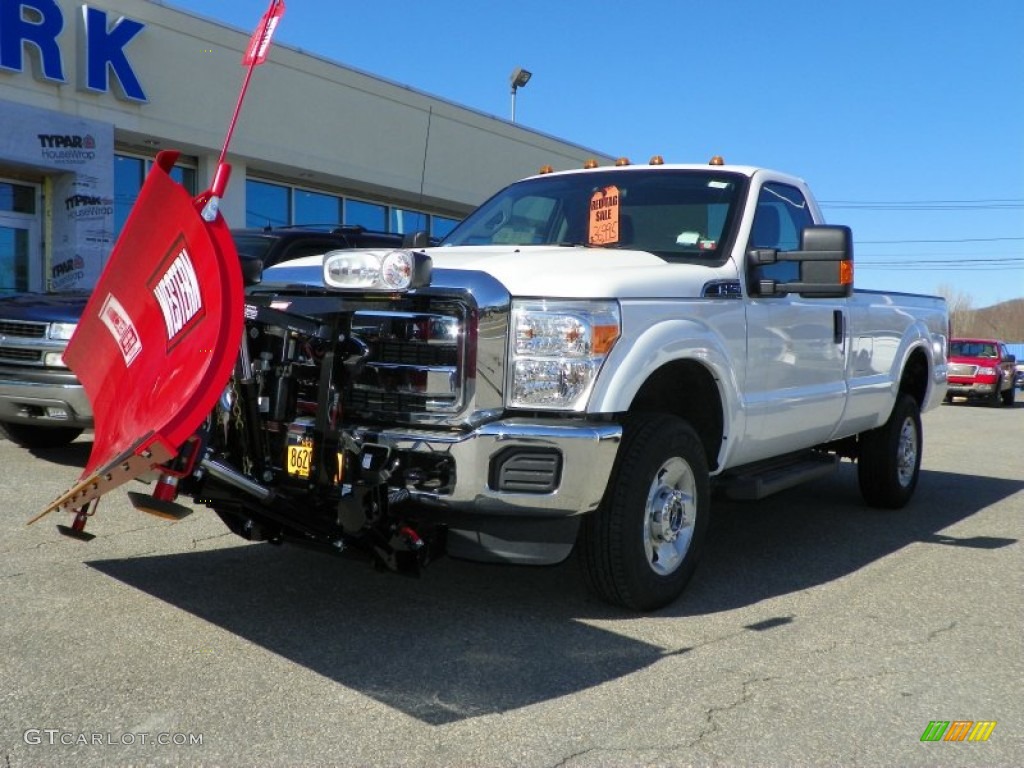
42 405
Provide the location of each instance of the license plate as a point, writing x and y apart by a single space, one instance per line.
299 458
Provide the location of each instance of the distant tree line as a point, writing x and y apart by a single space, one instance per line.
1003 321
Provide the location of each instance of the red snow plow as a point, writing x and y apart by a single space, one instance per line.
158 338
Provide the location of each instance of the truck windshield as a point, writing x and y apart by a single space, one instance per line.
674 213
972 349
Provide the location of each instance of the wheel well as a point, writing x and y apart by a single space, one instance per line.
686 389
915 377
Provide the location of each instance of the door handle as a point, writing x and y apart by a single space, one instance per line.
838 326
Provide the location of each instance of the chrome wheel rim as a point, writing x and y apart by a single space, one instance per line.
669 516
906 453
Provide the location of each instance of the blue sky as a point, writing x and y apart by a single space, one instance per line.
906 117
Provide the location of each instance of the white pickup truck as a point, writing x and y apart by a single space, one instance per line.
578 364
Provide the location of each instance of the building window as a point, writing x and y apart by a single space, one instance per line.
129 175
405 222
368 215
316 208
266 204
277 205
440 226
17 198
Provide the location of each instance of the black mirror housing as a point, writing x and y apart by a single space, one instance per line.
826 264
252 271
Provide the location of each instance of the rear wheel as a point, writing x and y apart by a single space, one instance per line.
889 460
641 546
32 436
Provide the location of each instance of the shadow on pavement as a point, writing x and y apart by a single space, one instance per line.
823 531
464 641
470 639
74 454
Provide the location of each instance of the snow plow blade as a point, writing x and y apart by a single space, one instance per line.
158 339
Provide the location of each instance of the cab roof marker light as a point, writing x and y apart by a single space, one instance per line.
657 160
717 160
591 163
546 169
622 161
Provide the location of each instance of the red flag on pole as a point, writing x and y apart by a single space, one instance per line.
259 44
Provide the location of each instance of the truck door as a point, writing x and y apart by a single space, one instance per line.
796 347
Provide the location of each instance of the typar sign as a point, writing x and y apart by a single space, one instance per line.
34 30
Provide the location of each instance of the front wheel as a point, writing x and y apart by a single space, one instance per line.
995 399
890 457
1009 396
641 546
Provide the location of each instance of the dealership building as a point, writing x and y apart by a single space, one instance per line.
90 92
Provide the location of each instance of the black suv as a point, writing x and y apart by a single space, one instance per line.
42 404
272 245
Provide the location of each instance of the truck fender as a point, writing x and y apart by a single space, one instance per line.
634 360
931 389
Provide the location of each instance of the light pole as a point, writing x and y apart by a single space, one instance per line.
520 77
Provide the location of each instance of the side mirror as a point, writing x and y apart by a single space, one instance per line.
252 271
1011 358
826 264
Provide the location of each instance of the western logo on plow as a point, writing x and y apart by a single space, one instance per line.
177 292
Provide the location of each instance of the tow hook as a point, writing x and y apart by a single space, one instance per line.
401 553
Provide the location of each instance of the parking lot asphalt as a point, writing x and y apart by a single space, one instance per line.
817 631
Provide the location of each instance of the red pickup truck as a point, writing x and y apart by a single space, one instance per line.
981 368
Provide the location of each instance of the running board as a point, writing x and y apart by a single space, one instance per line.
755 481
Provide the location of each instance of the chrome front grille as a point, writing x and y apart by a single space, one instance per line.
22 330
416 361
962 369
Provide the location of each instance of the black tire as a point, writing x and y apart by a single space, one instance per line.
995 399
641 546
890 457
1009 396
32 436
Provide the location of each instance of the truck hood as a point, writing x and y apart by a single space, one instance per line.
535 270
43 307
987 362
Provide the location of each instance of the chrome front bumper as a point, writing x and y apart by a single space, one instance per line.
585 454
26 397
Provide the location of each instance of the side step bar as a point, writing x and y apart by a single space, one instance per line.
755 481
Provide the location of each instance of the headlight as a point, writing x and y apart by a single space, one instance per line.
376 271
54 360
62 331
557 350
983 371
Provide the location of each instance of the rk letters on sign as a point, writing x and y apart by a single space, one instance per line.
32 29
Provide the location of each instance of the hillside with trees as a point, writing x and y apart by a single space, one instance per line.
1003 321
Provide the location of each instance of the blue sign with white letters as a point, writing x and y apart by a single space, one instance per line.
35 26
